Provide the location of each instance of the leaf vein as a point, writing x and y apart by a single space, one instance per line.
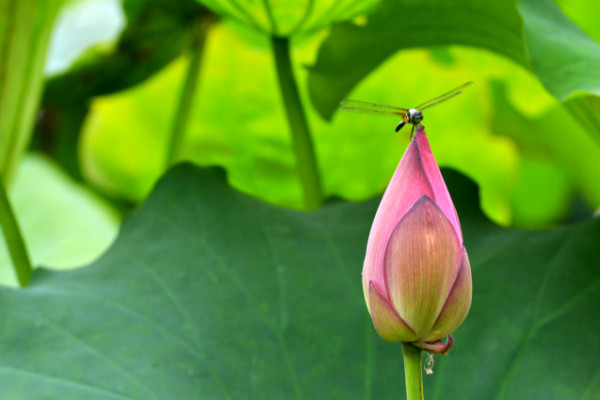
66 382
169 293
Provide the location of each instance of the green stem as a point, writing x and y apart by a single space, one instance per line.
25 33
14 240
182 114
306 163
412 371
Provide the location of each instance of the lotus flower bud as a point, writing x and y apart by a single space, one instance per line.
416 275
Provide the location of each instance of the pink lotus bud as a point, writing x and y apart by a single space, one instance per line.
416 276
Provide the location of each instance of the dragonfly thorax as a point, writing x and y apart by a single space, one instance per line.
414 116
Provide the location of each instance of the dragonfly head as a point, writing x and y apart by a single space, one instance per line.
414 116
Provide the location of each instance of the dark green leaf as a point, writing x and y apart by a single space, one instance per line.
157 31
210 294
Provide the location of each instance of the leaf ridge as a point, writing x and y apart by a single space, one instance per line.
590 389
169 293
532 326
66 382
568 305
98 354
279 332
198 353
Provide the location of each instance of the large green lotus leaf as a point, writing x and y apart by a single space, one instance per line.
64 225
356 153
284 18
210 294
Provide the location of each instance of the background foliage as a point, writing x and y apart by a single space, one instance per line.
207 293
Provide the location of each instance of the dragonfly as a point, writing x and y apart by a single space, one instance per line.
412 116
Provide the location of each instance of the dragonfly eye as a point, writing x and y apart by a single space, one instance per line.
418 117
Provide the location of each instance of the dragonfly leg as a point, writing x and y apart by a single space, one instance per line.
400 125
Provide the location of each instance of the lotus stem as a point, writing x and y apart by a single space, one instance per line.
14 240
182 114
412 371
306 163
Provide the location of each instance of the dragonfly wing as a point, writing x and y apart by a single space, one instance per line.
363 105
439 101
443 97
361 110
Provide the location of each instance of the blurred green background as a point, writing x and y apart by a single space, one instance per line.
527 132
